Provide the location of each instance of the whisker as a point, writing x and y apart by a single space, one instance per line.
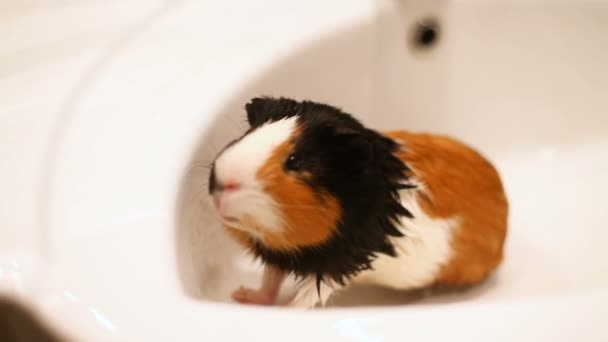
302 206
259 195
193 168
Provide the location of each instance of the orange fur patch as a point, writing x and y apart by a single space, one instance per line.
310 218
459 182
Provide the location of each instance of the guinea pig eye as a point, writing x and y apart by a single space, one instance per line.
293 162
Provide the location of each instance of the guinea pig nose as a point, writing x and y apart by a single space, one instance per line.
228 186
231 186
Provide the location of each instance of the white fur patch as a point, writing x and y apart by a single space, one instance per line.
240 163
307 296
420 254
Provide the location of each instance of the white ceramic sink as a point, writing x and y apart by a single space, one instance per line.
111 110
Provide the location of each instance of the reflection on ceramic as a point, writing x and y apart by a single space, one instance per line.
111 111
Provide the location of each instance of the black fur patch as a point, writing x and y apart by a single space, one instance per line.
355 164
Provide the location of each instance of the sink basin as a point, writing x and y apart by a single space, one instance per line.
111 112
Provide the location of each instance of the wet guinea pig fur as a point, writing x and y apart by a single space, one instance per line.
313 193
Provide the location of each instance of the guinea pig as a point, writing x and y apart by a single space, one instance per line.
313 193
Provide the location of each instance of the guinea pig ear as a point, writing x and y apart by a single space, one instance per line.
257 112
357 139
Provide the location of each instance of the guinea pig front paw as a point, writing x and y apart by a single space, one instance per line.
256 297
